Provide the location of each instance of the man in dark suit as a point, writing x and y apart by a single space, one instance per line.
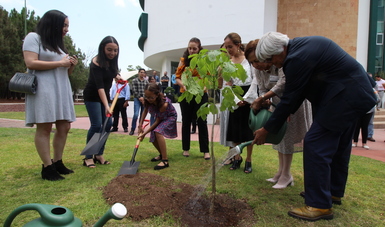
339 90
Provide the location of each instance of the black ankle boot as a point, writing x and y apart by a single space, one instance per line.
60 168
50 173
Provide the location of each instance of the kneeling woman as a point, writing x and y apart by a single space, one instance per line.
164 126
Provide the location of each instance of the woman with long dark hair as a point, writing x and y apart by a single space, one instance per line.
46 56
189 109
103 69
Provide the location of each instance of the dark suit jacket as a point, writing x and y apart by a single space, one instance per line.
337 86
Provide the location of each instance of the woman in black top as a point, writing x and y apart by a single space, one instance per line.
103 69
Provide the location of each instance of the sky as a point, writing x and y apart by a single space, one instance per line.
91 21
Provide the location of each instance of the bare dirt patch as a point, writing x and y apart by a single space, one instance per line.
146 195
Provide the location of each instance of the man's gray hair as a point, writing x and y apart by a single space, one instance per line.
271 43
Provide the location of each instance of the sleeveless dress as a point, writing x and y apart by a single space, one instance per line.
53 99
167 126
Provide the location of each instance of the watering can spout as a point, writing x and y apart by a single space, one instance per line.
236 150
117 212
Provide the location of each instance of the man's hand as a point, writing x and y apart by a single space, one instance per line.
260 136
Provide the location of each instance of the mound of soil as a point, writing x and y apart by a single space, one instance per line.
146 195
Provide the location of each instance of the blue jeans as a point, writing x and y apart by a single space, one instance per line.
96 113
137 105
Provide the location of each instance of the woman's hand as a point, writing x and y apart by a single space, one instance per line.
108 111
257 104
73 60
141 136
241 103
65 61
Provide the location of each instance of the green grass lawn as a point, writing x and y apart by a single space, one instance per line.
81 192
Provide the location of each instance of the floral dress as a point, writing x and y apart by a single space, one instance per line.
167 125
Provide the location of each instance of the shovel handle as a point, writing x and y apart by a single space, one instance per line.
116 99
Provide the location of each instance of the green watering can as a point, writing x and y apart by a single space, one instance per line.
58 216
257 121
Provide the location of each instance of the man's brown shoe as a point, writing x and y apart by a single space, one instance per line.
308 213
335 200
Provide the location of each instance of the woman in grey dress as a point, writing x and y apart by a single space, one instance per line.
46 57
271 84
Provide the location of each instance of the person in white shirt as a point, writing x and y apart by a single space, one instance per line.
121 105
380 89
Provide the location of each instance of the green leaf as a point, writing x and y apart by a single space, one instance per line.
213 108
193 62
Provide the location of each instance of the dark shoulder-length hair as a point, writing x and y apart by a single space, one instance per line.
154 88
186 53
50 29
250 47
102 59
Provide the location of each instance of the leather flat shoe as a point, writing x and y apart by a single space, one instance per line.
309 213
157 158
335 200
371 139
165 165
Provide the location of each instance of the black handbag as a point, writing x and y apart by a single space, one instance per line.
23 83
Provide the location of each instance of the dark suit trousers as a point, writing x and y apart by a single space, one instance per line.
188 111
120 109
326 163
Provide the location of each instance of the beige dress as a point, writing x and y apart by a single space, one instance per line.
299 123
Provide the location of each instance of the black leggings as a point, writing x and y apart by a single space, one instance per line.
363 124
189 110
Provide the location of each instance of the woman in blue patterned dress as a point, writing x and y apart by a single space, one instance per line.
164 126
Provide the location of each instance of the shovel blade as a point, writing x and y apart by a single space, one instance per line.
129 167
95 143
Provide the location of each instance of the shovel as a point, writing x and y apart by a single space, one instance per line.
98 139
236 150
131 167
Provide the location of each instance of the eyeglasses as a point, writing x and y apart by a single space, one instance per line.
149 98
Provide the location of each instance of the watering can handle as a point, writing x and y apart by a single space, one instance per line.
51 214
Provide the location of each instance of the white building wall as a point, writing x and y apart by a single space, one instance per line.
172 23
363 32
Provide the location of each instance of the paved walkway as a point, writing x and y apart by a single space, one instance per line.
376 151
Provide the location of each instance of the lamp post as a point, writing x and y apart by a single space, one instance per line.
25 18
